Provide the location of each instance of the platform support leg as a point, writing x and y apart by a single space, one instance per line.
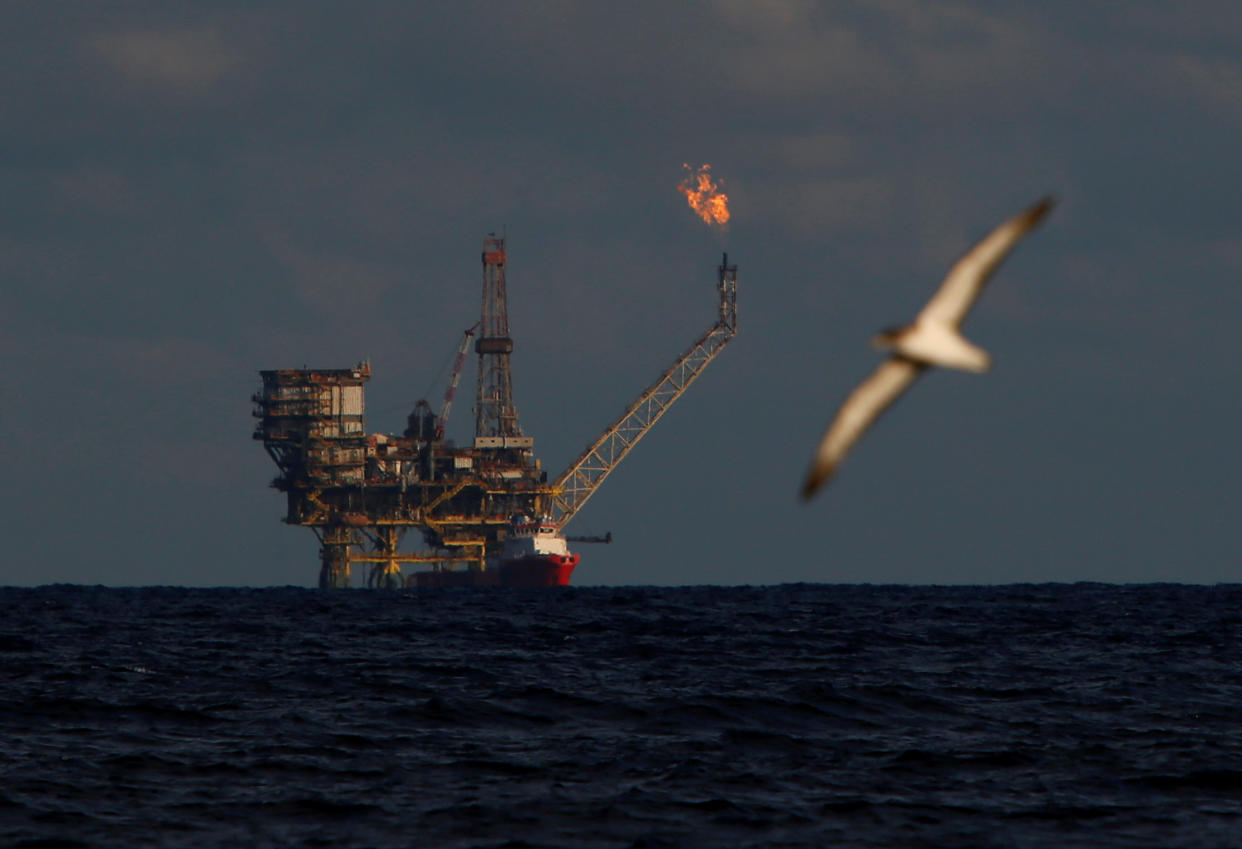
387 575
334 569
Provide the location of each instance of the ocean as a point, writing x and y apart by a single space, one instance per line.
808 715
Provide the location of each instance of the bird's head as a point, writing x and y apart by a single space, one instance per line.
887 337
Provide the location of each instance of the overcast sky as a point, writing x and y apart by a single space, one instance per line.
193 192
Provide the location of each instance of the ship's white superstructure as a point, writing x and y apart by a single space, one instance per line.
533 538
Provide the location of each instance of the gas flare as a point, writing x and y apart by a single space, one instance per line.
704 196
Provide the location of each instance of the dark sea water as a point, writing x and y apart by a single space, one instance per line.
801 715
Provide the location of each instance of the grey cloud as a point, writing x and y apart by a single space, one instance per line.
197 191
184 59
1216 81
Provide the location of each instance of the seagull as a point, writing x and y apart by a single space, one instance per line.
933 340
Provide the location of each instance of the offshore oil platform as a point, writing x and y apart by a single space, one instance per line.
487 513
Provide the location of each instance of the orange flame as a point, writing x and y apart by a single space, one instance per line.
704 196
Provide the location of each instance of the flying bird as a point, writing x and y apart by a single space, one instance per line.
932 340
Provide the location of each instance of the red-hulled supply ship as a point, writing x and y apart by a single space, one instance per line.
533 554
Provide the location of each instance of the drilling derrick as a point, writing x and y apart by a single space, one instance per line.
495 415
503 453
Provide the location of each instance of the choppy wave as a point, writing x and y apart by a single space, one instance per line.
801 715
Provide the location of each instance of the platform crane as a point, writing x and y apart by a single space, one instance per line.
423 424
584 475
454 379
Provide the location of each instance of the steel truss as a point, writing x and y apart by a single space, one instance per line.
584 475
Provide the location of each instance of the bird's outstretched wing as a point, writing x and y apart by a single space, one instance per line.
969 274
863 406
